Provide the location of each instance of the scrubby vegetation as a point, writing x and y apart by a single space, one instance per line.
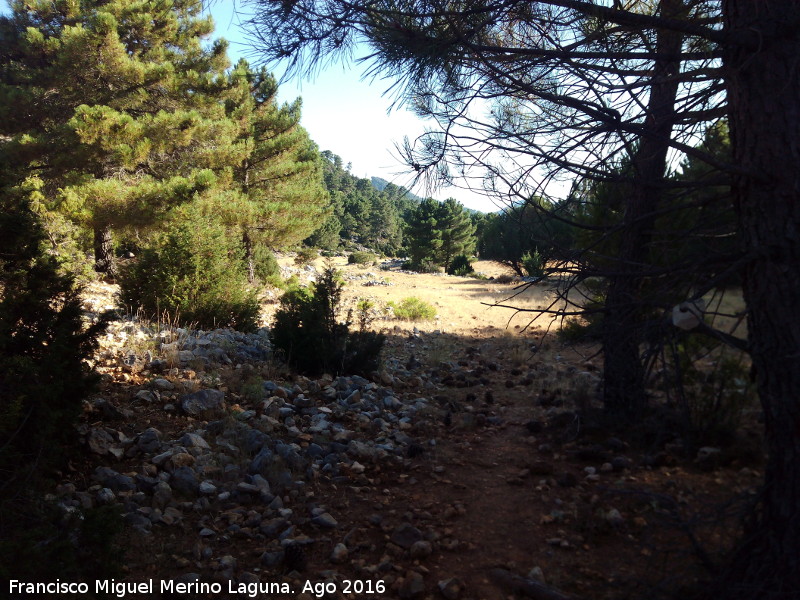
192 274
533 263
305 256
266 265
314 338
360 257
461 266
413 309
122 119
44 378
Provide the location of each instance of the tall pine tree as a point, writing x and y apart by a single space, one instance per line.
111 110
438 232
457 232
424 234
281 193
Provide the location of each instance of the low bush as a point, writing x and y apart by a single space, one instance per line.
266 266
290 283
710 384
44 378
413 309
365 311
44 348
422 267
305 256
361 258
312 338
533 263
505 278
460 266
193 274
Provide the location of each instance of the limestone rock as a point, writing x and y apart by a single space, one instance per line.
203 403
100 441
413 586
185 481
451 588
339 554
406 535
325 521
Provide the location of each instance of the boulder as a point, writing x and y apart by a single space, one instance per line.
203 404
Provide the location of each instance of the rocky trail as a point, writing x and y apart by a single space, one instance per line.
471 474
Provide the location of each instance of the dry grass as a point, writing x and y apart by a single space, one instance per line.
464 306
727 311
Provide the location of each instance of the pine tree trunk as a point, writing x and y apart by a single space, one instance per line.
248 256
764 111
104 252
623 383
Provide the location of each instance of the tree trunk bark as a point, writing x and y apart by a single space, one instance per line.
248 255
104 252
623 382
764 110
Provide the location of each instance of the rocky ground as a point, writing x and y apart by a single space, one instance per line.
470 466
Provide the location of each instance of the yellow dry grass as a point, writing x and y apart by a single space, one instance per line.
465 306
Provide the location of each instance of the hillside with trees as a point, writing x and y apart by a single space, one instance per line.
363 214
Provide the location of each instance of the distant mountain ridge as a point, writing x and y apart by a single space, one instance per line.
379 183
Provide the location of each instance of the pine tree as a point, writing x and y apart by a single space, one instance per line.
437 232
111 110
423 233
361 212
457 232
385 234
283 197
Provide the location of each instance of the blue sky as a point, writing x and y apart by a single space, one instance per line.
347 116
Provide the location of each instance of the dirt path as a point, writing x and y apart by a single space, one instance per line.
513 479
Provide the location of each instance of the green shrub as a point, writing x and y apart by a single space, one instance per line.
364 308
425 266
267 269
533 263
290 283
194 274
308 332
711 385
306 256
460 266
413 309
69 244
44 346
361 258
44 377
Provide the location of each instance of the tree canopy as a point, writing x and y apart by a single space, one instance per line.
119 135
151 120
361 213
529 91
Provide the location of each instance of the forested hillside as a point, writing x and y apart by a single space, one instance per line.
363 214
